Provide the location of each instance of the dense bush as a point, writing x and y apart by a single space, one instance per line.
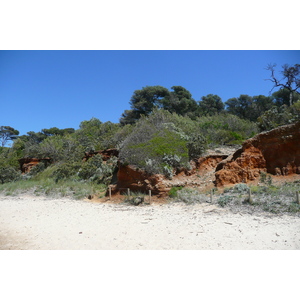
8 174
226 129
95 135
66 170
173 191
278 116
41 166
157 145
97 170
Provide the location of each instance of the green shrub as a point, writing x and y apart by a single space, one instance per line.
293 207
259 189
66 170
173 191
163 143
41 166
155 148
87 171
97 170
226 129
196 145
9 174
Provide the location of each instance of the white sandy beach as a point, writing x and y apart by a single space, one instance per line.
33 223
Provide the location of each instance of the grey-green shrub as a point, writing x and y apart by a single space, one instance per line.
190 196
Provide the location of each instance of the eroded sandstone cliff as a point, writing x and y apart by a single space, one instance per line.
137 180
27 163
276 152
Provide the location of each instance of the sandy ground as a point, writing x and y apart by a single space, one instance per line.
33 223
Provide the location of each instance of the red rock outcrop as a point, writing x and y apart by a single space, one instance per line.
209 163
276 152
27 163
135 179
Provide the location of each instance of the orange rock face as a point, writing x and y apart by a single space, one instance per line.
135 179
27 163
276 152
208 163
138 180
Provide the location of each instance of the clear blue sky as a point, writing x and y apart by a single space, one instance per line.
43 89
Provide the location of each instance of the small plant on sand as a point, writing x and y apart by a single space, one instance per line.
224 200
265 178
135 199
262 177
173 191
190 196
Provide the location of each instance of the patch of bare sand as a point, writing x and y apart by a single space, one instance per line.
29 223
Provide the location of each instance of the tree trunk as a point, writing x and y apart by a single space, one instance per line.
291 98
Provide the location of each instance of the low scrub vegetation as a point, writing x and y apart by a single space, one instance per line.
163 131
268 198
187 195
283 199
50 188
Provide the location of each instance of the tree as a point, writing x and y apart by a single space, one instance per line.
211 105
129 117
282 97
7 133
179 101
289 81
56 131
249 108
260 104
143 102
239 106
